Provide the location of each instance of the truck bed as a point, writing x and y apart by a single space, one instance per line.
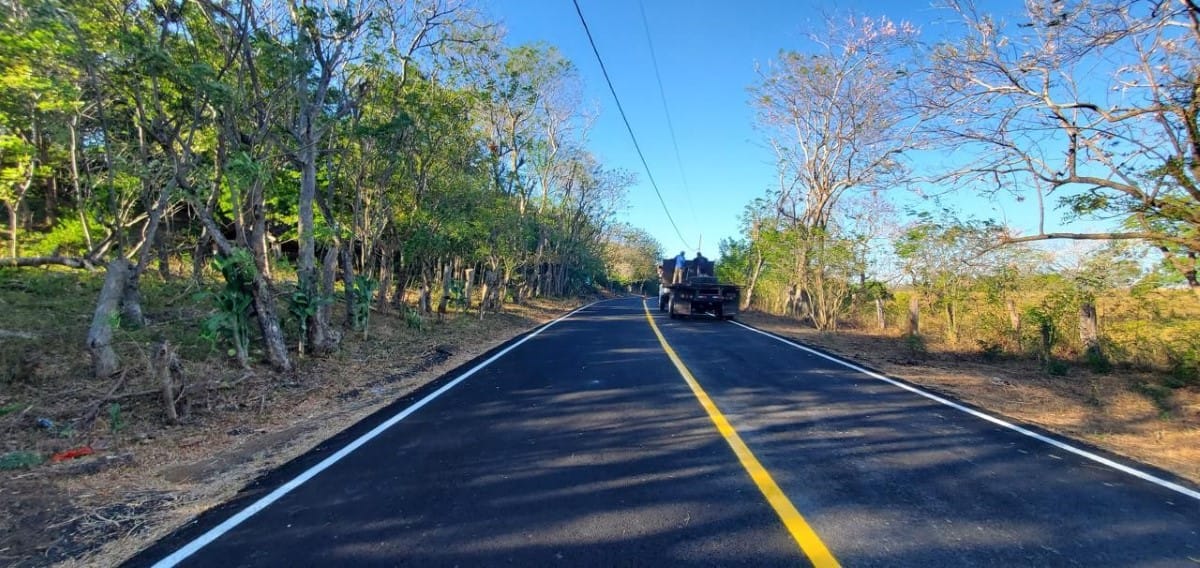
699 296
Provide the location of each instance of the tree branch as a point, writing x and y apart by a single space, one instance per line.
1186 243
71 261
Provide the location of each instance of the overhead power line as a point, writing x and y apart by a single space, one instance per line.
629 128
662 96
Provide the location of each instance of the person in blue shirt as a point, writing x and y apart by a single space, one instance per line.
680 262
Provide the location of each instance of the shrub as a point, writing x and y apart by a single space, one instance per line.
1057 367
363 292
1097 361
231 321
413 319
302 305
990 351
1185 367
67 238
915 344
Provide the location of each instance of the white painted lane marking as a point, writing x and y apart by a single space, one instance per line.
1000 422
216 532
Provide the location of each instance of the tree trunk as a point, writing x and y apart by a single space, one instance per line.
73 129
268 323
258 231
1014 321
423 303
99 339
323 339
306 271
264 302
804 305
328 272
537 259
470 280
164 257
131 300
385 278
489 287
951 323
880 319
749 295
1089 334
344 254
446 276
1047 333
29 261
498 292
400 295
51 201
170 376
200 255
13 213
914 315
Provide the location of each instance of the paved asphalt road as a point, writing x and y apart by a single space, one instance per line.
584 446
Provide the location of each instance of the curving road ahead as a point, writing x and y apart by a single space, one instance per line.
616 437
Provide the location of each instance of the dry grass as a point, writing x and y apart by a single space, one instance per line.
149 477
1117 411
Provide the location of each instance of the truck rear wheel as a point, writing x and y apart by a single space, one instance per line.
671 307
662 303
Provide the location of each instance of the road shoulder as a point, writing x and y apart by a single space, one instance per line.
1099 410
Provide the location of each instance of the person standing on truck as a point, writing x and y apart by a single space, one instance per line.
680 262
700 263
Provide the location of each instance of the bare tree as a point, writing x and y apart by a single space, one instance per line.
837 120
1094 103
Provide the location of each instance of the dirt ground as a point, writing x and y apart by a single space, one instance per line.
1119 411
147 477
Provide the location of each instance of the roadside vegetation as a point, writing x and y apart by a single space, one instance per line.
1082 111
233 228
92 471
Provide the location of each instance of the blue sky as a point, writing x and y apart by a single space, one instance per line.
706 52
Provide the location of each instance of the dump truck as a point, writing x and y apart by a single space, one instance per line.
697 293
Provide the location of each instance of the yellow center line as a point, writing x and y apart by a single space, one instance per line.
804 535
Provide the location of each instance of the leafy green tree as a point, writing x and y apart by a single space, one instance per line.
942 256
39 89
632 256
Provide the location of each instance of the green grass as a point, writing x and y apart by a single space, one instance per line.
54 307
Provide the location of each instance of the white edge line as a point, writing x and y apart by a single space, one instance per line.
1060 445
214 533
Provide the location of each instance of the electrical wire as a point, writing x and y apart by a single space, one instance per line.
662 96
629 128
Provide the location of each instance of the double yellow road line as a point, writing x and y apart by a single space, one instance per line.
804 535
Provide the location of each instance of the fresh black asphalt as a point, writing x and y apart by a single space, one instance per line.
584 447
